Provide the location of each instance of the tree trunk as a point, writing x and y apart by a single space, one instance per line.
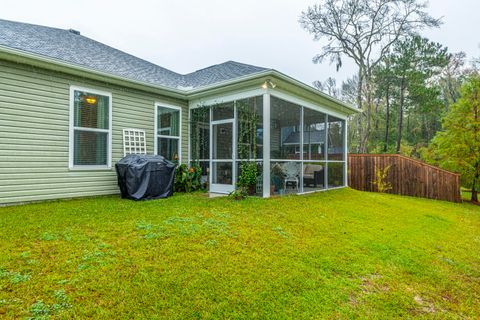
376 119
477 163
474 191
387 119
400 114
369 115
474 184
360 106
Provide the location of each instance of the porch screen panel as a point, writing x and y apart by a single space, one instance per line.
223 111
314 150
200 139
284 130
314 135
285 147
250 136
250 128
336 174
336 147
200 134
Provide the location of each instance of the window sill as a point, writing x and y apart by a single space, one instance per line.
90 168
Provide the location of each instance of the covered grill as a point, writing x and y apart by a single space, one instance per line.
145 177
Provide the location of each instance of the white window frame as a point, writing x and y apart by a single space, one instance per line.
156 135
72 129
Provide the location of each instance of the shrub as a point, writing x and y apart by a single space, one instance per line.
248 177
381 179
187 179
239 194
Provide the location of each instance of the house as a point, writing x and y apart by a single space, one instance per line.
65 100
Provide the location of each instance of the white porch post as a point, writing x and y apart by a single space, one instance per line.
266 145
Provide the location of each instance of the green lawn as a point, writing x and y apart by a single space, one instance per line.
338 254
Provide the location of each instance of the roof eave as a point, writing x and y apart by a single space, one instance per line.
221 86
21 56
315 91
70 68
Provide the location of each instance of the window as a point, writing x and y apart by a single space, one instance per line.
167 126
90 128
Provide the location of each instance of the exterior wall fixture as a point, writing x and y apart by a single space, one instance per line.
269 84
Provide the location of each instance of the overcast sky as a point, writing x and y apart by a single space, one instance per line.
188 35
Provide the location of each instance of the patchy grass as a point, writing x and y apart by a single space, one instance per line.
338 254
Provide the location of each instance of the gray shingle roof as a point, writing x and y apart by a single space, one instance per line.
220 72
73 48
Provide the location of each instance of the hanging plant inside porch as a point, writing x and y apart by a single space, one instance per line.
247 144
200 119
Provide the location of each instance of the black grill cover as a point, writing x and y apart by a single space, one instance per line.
145 177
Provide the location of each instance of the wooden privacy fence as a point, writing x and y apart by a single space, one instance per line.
406 176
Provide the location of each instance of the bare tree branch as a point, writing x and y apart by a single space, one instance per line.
364 31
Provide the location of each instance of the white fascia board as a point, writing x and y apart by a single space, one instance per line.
223 98
304 103
204 91
315 91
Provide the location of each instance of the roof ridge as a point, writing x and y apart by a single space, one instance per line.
129 54
225 63
205 68
33 24
78 49
68 31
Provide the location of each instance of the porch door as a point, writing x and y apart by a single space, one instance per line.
222 163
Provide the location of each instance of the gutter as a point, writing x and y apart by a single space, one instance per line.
168 91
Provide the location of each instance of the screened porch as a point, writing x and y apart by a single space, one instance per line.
298 148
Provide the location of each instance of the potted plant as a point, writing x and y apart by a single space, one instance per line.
248 177
277 177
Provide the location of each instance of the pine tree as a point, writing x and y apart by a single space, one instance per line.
457 146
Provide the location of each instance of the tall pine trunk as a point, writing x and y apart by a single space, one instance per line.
387 118
477 163
369 116
360 106
400 114
474 190
474 184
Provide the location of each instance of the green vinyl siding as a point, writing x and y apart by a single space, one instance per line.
34 133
